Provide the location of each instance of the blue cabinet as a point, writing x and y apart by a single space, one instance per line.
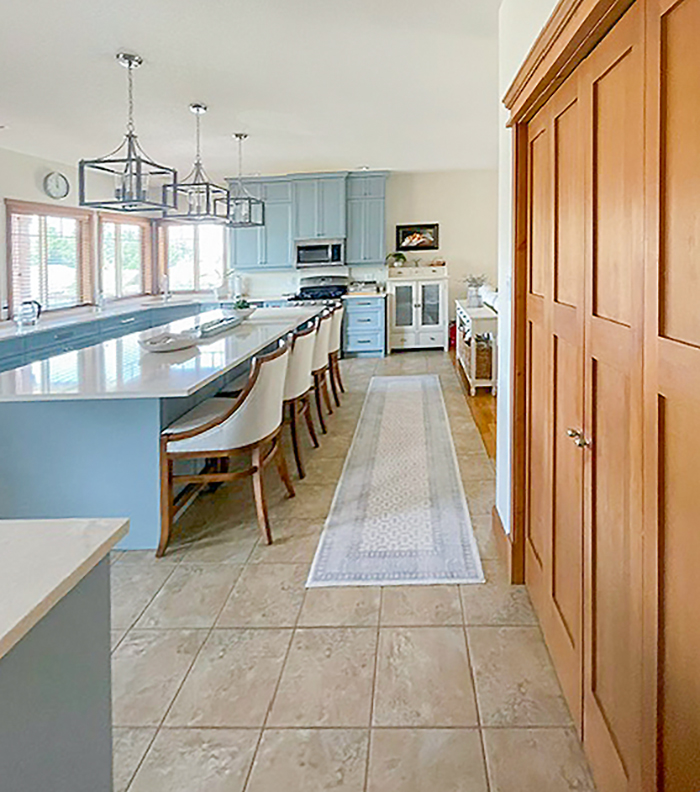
319 206
364 327
271 245
366 240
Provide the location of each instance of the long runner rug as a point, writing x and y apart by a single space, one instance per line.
399 515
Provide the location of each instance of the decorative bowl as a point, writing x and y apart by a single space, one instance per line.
239 313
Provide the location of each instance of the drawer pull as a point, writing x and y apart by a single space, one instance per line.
363 341
128 321
364 320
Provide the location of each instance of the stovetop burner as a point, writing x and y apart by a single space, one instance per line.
324 287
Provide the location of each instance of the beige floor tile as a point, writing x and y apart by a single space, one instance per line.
192 597
515 681
232 680
115 555
483 531
312 500
197 760
423 678
294 542
422 760
266 595
466 440
133 586
115 636
496 602
327 679
481 496
324 470
128 748
343 606
476 467
144 557
536 760
310 760
232 546
420 605
147 670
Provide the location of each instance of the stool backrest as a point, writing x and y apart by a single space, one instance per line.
301 357
323 337
336 328
260 412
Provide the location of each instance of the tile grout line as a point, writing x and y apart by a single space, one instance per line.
274 694
476 696
374 689
180 686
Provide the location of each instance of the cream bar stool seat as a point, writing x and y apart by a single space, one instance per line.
319 367
220 428
334 352
297 388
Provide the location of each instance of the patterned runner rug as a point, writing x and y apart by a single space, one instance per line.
399 515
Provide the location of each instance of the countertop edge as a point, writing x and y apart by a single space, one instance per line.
37 613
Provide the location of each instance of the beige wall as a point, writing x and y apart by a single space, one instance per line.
21 178
465 204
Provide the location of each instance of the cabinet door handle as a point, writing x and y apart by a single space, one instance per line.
579 438
128 321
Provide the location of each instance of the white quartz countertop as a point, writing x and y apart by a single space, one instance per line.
121 369
87 313
41 561
352 295
484 312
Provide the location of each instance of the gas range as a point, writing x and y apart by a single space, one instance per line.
321 289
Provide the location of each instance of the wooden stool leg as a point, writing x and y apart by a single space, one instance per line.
317 394
259 491
334 387
166 500
283 470
295 438
336 364
306 410
326 395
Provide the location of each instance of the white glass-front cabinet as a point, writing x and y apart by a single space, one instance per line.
418 310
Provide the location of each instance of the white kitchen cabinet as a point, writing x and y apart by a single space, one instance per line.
417 308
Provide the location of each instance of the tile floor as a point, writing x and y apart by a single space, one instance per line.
229 676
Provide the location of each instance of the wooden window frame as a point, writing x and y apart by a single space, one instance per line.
86 262
148 284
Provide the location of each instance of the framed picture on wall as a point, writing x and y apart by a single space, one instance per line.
425 236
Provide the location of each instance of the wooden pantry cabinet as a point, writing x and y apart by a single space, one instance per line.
606 502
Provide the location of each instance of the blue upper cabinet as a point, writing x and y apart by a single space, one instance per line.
319 206
271 245
366 218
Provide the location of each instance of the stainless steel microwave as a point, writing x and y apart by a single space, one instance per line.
319 253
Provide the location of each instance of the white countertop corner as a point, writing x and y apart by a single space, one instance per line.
41 561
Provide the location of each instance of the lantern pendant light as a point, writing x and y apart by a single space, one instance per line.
244 211
127 180
197 199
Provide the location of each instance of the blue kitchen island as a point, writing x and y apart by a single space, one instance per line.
79 431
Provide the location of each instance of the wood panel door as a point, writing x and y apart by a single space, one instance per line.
672 397
612 99
554 536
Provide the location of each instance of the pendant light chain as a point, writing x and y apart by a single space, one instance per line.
197 137
130 128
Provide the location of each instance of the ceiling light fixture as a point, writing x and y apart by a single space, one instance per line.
196 198
138 183
244 211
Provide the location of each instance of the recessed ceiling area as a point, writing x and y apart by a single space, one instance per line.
317 84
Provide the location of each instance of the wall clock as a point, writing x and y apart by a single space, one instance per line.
56 185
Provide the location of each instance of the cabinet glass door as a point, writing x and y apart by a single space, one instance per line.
430 304
403 305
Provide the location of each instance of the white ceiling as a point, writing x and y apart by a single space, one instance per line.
318 84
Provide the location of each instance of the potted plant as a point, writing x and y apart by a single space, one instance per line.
397 259
474 284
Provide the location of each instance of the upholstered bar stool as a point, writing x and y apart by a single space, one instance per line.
218 429
319 367
298 386
334 352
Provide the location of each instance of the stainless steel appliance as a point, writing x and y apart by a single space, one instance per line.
320 288
319 253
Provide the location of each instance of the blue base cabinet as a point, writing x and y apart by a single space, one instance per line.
364 327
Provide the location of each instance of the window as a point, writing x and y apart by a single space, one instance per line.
125 255
50 257
195 256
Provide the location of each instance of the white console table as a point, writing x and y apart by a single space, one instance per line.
473 322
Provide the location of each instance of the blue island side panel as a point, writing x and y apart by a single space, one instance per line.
94 458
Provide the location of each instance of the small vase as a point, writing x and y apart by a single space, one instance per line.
474 297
